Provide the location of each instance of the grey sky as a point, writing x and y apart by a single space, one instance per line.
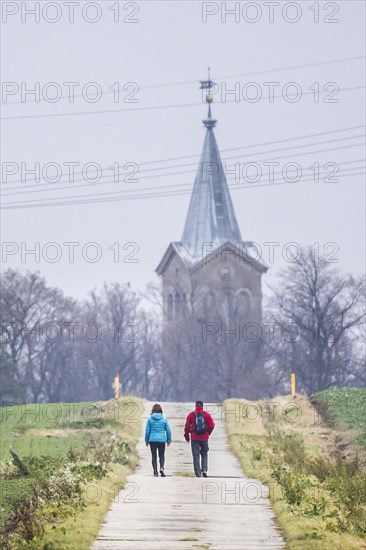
170 43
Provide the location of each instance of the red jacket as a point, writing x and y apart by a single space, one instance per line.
191 422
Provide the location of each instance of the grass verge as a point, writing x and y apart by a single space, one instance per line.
62 465
318 498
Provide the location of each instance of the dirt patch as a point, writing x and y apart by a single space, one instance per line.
318 434
57 432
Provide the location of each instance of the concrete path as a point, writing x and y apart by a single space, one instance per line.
226 511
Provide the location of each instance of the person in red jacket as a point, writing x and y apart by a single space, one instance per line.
198 428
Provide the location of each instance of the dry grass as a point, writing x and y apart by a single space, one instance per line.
250 443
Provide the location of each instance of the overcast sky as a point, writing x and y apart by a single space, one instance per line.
169 42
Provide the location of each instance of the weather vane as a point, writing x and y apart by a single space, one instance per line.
208 85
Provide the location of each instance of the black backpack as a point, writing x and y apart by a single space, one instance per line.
199 424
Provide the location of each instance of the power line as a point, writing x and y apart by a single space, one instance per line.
229 149
159 186
185 82
62 202
300 137
89 185
44 185
47 189
188 171
158 107
128 190
156 195
304 66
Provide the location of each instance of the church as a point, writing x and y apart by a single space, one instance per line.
211 272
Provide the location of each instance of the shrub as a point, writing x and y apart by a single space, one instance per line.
44 465
65 487
23 523
293 450
346 483
320 467
317 508
89 471
292 482
121 453
294 486
277 469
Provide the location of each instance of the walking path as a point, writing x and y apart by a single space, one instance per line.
226 511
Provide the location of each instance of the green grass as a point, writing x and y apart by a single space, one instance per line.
345 407
50 432
47 428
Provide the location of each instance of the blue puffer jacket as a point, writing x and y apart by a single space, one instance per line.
157 429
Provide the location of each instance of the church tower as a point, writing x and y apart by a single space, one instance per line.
211 272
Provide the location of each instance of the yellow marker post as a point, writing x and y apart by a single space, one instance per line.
293 384
116 385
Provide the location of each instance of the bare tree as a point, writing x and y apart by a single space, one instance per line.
315 309
29 311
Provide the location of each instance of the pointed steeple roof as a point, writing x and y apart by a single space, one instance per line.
211 217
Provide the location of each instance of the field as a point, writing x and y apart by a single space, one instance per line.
315 473
61 466
345 408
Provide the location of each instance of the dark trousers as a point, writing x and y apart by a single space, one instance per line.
154 448
200 456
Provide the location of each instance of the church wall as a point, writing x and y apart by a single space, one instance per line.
223 273
214 278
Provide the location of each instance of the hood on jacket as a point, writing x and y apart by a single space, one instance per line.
156 416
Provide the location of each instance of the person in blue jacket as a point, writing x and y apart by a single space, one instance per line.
157 434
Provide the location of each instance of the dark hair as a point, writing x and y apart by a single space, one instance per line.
199 404
156 409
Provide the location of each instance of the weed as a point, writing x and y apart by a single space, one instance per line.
257 453
317 509
294 486
18 463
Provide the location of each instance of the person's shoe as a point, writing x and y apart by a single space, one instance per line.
162 473
156 473
204 474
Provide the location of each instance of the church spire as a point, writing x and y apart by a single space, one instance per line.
211 217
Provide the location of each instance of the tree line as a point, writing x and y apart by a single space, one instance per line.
55 348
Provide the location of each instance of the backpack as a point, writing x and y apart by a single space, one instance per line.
199 424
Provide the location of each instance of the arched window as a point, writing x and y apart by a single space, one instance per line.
178 308
209 302
243 303
170 307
